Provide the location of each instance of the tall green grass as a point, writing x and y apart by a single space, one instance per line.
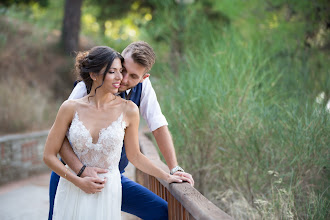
258 148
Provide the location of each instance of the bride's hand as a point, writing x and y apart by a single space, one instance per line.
93 171
91 185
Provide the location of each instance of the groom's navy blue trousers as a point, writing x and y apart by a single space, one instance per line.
136 199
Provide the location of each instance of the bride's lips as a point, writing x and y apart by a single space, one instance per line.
116 85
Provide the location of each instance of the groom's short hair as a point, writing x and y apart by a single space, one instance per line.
142 53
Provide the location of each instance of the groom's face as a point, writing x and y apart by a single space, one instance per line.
133 73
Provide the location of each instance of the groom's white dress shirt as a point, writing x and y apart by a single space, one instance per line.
149 106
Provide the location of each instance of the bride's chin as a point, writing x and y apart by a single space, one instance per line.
114 92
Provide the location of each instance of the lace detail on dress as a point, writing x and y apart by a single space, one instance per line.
106 152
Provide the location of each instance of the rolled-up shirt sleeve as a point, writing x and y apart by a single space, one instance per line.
79 91
150 108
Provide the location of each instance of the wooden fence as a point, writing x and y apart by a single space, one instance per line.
184 201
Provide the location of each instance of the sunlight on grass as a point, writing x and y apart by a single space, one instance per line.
273 23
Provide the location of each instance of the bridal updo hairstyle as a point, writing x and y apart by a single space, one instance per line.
92 61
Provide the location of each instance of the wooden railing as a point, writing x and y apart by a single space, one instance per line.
184 201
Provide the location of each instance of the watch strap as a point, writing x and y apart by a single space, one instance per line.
175 169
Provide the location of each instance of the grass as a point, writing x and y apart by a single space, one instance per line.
233 121
24 108
240 101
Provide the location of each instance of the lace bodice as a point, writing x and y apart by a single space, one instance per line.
106 152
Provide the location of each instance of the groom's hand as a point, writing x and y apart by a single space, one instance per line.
93 171
187 177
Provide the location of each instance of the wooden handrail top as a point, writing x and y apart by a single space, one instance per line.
193 201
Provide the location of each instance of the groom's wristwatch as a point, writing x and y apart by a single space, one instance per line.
175 169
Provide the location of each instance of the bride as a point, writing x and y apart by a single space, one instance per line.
96 126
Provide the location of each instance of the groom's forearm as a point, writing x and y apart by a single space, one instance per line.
164 141
69 157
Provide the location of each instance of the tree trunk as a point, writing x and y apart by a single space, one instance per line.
71 25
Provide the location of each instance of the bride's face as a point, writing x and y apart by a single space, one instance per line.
113 77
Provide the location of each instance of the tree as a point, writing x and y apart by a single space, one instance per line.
71 25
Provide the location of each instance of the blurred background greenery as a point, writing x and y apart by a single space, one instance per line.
245 86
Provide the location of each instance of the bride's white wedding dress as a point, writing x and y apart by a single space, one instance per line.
73 203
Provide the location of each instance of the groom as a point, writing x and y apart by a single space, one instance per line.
135 86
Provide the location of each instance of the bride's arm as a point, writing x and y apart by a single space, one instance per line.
53 145
133 150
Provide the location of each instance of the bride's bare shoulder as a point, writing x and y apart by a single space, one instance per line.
69 106
73 103
131 108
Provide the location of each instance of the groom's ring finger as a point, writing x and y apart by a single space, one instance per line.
187 175
186 179
184 174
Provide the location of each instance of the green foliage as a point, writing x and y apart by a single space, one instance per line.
46 18
42 3
110 8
